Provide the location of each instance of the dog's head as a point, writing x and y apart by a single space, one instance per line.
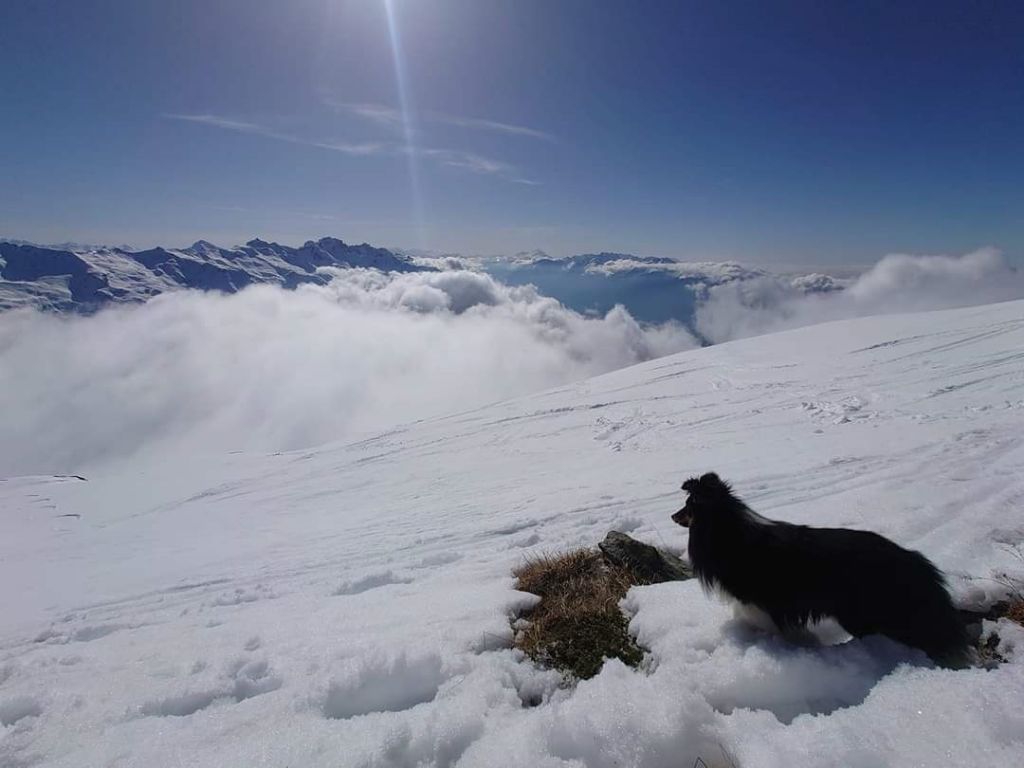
705 492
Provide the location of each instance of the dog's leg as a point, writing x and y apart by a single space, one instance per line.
755 617
857 625
764 621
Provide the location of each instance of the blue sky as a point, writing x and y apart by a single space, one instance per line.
794 132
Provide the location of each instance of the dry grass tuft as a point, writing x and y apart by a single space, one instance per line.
546 573
1012 608
577 624
1015 612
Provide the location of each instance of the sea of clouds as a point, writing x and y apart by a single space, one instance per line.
897 283
268 369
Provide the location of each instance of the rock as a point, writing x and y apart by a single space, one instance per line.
648 563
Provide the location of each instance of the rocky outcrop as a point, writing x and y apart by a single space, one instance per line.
650 564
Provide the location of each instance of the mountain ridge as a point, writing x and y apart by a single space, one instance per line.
83 279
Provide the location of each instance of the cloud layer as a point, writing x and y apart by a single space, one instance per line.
268 369
897 283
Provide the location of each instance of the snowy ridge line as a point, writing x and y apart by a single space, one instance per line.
84 278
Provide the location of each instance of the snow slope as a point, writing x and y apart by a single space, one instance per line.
347 606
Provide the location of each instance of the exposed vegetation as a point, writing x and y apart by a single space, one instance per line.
1012 609
726 761
1014 586
1015 612
577 624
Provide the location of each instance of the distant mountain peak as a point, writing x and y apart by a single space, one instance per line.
83 279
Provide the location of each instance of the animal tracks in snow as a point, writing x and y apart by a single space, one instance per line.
242 679
622 432
242 595
83 634
838 412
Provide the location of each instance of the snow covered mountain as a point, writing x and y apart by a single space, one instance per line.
349 605
85 278
652 289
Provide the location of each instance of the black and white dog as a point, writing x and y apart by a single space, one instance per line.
798 574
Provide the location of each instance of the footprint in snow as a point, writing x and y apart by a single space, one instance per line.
526 541
441 558
383 685
84 634
243 595
18 708
508 530
370 581
243 679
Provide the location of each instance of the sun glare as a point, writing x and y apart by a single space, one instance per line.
408 124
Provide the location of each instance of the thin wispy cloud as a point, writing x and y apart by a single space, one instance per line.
470 161
454 158
390 116
349 148
377 113
491 125
255 129
220 122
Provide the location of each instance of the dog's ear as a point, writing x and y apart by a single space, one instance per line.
707 484
711 481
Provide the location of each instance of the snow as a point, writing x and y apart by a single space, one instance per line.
83 278
349 605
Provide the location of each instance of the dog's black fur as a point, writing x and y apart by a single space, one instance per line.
798 574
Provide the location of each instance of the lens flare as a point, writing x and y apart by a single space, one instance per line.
408 124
